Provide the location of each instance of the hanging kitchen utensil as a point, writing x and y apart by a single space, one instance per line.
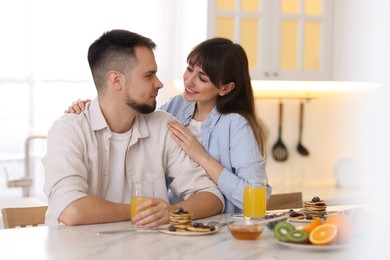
279 150
301 149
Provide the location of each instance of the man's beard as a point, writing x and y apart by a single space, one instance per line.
141 108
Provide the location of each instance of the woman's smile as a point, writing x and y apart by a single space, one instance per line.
189 91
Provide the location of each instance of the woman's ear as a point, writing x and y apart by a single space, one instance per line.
225 89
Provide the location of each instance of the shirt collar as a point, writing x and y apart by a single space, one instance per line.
98 122
209 122
213 118
190 110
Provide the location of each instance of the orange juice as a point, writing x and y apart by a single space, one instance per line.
134 203
255 201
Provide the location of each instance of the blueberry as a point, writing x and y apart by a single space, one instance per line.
315 199
172 228
294 214
180 209
291 210
309 217
212 228
196 224
271 225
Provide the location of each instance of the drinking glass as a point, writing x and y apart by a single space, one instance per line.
140 192
255 199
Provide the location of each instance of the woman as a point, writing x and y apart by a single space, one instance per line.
218 126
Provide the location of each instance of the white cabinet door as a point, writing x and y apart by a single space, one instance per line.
284 39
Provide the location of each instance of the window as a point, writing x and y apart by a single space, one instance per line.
43 64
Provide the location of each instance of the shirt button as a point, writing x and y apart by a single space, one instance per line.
204 144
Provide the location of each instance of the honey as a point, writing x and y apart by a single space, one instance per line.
245 232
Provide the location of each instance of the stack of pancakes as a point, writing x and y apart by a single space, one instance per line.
314 208
180 218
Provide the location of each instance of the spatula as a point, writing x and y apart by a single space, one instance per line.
279 150
301 149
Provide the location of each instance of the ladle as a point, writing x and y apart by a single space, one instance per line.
279 150
301 149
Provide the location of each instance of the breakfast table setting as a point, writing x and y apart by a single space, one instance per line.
122 240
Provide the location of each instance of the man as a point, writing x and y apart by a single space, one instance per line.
93 157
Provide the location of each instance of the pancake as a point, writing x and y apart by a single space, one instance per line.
180 218
199 228
314 208
297 215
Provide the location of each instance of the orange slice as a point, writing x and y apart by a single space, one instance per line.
313 224
324 234
344 224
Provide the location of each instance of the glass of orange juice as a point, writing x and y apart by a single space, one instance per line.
255 199
140 192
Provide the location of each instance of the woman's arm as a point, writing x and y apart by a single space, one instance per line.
243 152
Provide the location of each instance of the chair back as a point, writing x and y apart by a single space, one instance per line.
23 217
285 201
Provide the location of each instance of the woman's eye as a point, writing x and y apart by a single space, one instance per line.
203 79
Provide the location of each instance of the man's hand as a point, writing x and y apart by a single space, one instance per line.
152 213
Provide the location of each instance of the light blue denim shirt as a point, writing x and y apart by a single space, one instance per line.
230 140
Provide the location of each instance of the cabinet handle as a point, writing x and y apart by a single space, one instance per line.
276 74
266 74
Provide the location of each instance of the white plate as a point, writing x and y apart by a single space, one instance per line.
309 247
183 232
299 220
310 220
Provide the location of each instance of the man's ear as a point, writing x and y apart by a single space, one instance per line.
225 89
115 79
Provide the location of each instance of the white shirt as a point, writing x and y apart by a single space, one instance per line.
116 173
195 128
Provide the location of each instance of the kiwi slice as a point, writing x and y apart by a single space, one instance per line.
298 237
282 229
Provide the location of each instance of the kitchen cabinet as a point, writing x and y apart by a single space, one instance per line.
284 39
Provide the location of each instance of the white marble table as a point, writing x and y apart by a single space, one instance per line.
82 242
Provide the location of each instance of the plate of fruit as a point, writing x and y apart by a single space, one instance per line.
333 233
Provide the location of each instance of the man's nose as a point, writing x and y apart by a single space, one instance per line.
159 84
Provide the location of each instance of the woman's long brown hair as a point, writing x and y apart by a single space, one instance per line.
224 62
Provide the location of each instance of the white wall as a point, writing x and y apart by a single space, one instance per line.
190 28
362 52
